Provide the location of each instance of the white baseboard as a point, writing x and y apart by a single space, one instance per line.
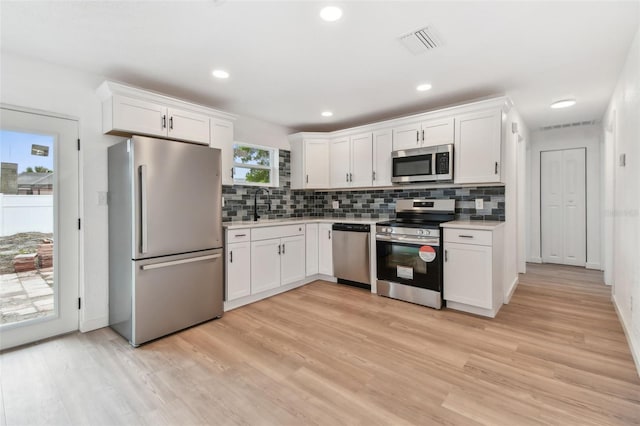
634 346
593 265
93 324
534 260
512 289
491 313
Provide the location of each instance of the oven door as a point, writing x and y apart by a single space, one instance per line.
410 263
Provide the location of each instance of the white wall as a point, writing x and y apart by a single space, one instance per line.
622 122
513 164
25 213
589 137
34 84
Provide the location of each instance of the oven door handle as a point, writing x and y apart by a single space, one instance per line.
424 242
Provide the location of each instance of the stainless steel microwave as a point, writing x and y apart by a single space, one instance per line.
428 164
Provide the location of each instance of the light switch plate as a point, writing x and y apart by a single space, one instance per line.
102 198
336 204
479 203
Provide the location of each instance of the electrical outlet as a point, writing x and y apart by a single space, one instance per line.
102 198
336 204
479 203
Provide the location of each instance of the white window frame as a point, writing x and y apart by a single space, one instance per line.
274 160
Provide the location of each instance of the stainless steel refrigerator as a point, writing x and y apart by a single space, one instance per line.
165 237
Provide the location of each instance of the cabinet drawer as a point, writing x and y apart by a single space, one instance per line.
468 236
266 233
238 236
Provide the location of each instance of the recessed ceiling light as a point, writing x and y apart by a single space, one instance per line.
331 13
423 87
564 103
327 114
220 74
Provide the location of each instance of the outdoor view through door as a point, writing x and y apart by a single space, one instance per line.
38 239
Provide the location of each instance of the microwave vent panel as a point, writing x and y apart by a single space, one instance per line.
420 41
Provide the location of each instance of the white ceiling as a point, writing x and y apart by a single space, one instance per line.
287 65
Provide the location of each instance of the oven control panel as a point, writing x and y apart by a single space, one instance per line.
408 231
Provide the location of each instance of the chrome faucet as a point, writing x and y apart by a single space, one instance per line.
255 202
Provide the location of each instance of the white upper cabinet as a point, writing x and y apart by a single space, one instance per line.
146 118
187 126
222 138
351 161
130 111
382 147
426 133
477 147
309 162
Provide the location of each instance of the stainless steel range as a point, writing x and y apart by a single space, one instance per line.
409 251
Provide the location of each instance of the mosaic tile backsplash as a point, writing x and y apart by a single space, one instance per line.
370 203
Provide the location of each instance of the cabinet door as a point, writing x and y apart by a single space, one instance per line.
311 234
265 265
316 161
325 249
361 169
467 274
238 270
339 163
382 147
437 132
477 147
292 259
139 117
406 137
222 138
188 126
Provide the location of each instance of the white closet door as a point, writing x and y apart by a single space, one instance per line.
562 200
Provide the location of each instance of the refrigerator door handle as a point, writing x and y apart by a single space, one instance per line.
143 209
179 262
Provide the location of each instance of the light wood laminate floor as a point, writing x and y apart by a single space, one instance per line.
330 354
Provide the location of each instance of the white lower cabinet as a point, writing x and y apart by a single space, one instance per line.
292 260
325 249
473 270
238 270
265 265
311 249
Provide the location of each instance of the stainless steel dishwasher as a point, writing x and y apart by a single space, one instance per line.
351 254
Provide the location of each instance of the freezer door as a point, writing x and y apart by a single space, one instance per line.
176 292
177 197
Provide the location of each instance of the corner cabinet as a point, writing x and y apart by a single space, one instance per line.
477 147
473 270
309 162
130 111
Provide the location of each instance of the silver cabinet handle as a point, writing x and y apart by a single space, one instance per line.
465 236
240 235
350 177
373 176
417 136
231 256
496 170
446 256
329 232
171 123
423 135
279 249
179 262
143 209
346 178
282 248
164 121
232 173
307 178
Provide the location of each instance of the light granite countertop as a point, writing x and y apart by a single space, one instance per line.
293 220
488 225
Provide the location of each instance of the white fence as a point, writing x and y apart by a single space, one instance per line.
25 213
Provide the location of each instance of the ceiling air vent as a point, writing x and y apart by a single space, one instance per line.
420 41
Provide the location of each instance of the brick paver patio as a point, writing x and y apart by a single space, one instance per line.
26 295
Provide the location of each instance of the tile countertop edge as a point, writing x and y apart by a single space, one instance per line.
290 221
473 224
